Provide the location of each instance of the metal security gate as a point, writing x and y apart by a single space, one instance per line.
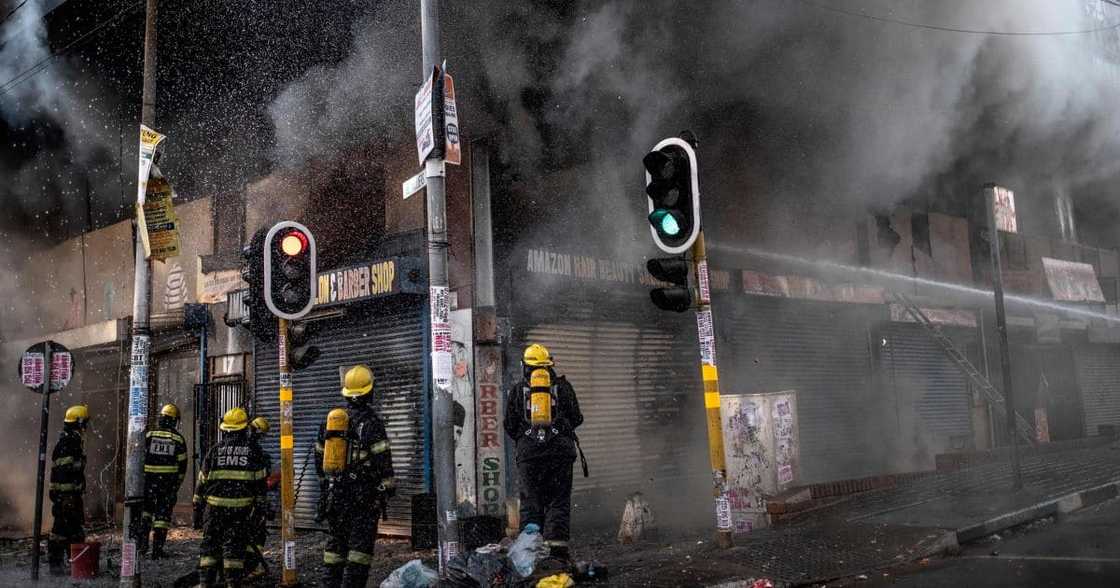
821 350
929 394
390 339
1098 373
216 398
637 381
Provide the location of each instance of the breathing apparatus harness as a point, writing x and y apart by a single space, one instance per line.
540 397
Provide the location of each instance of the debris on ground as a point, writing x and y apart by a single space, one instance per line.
556 581
637 520
413 574
527 549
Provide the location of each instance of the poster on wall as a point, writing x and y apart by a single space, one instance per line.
462 394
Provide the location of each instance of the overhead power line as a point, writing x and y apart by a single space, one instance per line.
11 12
932 27
47 61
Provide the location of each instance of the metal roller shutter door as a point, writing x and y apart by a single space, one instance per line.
917 369
638 386
1098 372
392 343
819 349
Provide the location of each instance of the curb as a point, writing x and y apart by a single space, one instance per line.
1054 506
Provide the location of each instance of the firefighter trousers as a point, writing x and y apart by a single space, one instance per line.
68 511
546 498
160 494
349 550
224 535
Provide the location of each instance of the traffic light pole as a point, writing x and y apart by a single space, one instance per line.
443 440
44 421
705 327
141 342
287 467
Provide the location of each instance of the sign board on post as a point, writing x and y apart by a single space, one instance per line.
425 132
453 153
161 235
414 184
1004 208
32 367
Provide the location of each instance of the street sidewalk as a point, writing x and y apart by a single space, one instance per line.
917 518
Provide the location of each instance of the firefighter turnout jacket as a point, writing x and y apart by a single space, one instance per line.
368 469
165 456
68 465
233 474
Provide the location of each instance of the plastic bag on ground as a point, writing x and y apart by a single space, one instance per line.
413 574
527 550
483 570
557 581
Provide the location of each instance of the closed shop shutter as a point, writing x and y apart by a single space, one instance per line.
638 384
820 350
931 395
391 341
1098 372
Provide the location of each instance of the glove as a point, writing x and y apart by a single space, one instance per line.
196 520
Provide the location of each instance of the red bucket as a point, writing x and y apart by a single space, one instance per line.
85 560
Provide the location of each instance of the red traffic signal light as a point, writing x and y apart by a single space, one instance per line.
290 281
294 243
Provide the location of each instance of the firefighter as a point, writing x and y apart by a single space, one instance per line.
68 483
254 557
355 470
230 485
165 466
542 414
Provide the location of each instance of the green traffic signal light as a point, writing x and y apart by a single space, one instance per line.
667 222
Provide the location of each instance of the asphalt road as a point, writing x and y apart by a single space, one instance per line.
1080 549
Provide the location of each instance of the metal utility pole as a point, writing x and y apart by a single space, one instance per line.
45 419
1001 331
443 441
710 375
141 341
287 468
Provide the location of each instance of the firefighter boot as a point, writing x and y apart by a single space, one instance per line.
159 538
356 576
56 557
332 576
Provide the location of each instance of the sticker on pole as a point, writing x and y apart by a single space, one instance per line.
138 379
289 555
128 559
723 513
425 133
33 369
705 284
441 336
707 337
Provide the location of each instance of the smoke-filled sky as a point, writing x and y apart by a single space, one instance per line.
797 106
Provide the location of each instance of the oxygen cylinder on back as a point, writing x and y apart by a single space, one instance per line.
540 398
335 450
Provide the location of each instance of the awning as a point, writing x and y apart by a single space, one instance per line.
1072 281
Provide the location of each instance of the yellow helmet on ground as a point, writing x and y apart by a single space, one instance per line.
235 419
536 355
78 413
169 410
358 382
260 425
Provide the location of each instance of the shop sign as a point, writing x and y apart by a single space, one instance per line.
369 280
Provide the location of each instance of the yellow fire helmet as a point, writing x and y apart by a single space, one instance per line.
540 379
234 420
78 413
169 410
260 425
358 381
536 355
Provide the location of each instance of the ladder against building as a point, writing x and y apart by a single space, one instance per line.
995 398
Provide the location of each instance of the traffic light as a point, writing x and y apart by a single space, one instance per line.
673 191
261 321
301 353
289 270
674 270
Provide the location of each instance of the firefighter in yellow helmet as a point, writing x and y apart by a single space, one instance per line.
165 466
230 486
355 469
542 414
254 556
68 484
